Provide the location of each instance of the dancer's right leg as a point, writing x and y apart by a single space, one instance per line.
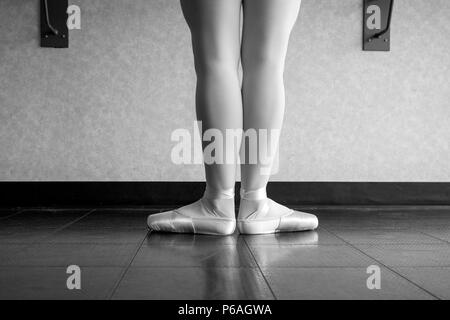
215 30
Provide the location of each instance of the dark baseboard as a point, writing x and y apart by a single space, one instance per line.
32 194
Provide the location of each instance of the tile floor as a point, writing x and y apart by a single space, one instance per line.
120 259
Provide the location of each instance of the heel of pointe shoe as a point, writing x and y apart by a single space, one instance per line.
258 227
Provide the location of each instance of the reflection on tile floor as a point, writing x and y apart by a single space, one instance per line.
120 259
193 283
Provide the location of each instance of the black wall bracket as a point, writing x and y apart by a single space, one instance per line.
377 24
54 31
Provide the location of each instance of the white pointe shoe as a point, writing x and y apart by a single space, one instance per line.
201 217
267 216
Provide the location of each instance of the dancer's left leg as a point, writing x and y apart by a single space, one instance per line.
266 32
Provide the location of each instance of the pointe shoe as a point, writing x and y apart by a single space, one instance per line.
271 217
201 217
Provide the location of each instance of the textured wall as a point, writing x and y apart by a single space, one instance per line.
104 109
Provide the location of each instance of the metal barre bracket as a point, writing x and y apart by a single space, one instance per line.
54 32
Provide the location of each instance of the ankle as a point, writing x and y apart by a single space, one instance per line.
215 194
255 194
252 202
220 202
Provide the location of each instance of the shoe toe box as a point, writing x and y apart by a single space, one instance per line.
170 221
298 221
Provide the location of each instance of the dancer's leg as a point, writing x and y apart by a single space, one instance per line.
267 28
215 30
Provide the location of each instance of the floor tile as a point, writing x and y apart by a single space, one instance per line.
338 283
384 236
9 251
434 279
369 222
317 237
116 218
309 256
50 283
192 283
61 255
43 218
404 255
382 217
184 239
22 234
201 254
428 222
75 234
31 226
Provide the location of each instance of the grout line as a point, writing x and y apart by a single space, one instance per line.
259 268
385 266
65 226
434 237
27 246
12 214
125 269
74 221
